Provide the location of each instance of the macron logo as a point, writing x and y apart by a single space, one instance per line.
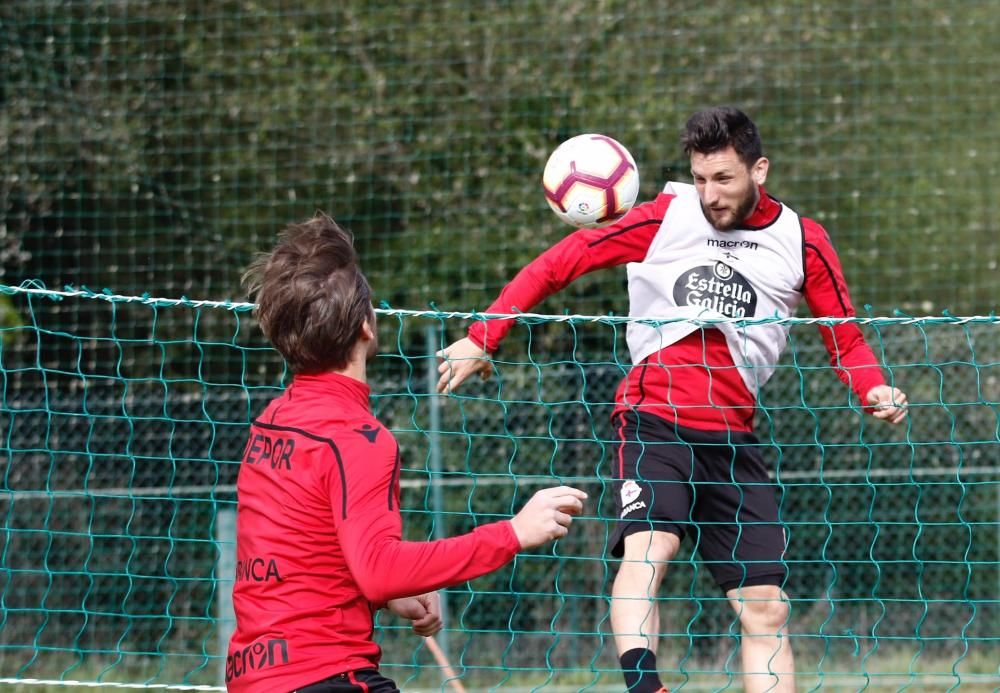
369 432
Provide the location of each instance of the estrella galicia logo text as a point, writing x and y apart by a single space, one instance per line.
719 288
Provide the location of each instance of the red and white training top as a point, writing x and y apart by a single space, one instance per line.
680 266
694 271
318 539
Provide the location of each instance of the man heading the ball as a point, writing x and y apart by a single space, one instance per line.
687 460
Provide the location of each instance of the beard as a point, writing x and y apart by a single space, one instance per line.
727 220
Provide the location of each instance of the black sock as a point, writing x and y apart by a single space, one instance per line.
639 668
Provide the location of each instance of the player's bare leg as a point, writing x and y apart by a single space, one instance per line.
635 617
768 663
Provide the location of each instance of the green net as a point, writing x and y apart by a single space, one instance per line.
121 443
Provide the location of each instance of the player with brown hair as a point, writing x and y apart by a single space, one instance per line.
319 534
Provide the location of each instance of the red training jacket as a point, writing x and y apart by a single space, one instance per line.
318 539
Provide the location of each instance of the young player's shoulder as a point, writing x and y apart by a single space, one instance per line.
328 426
366 449
364 435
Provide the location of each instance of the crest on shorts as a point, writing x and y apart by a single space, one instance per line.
630 491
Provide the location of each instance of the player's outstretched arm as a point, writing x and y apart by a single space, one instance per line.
888 403
387 568
461 360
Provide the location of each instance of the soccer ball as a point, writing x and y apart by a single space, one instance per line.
590 181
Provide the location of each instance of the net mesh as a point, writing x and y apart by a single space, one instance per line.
121 445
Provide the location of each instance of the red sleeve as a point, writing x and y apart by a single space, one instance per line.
369 530
583 251
826 294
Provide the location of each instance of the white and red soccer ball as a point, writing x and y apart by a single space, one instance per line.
590 181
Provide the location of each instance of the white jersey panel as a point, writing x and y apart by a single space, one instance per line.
692 270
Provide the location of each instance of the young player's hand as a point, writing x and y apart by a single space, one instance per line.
423 610
460 360
889 403
547 515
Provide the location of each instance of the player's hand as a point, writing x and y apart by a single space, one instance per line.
547 515
423 610
889 403
459 361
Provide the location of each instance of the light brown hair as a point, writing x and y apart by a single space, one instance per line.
312 298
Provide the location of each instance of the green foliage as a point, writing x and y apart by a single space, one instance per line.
153 146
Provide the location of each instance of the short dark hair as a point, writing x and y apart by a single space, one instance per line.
717 128
312 298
